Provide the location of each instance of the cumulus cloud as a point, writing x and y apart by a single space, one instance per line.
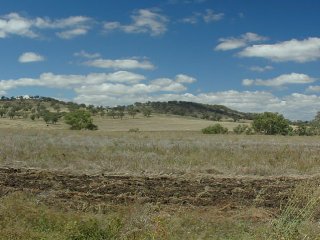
182 78
242 41
85 54
120 64
154 86
293 50
261 69
30 57
70 81
208 16
143 21
15 24
284 79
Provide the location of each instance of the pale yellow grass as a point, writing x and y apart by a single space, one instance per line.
155 123
161 152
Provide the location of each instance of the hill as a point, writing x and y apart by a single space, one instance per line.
197 110
23 106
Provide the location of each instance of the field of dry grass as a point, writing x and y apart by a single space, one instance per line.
155 123
165 147
173 152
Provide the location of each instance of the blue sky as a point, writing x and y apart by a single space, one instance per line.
252 56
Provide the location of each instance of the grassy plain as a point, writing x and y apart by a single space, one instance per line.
165 145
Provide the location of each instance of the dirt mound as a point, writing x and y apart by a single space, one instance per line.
54 186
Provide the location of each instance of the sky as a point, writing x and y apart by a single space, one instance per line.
251 56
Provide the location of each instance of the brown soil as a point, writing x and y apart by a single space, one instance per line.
53 186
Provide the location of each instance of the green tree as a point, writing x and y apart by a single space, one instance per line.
11 114
3 112
315 125
146 112
271 124
241 128
112 113
132 111
120 113
80 119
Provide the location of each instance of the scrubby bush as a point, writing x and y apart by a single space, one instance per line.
134 130
241 128
304 130
80 119
271 124
215 129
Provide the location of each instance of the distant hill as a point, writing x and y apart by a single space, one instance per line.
192 109
37 104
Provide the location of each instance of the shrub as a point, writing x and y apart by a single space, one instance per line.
134 130
215 129
241 128
80 119
271 124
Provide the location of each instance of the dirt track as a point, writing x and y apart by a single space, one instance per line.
204 191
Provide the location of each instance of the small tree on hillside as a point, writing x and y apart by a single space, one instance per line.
271 124
80 119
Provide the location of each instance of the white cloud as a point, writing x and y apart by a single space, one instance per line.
193 19
120 64
211 16
260 69
85 54
284 79
248 82
292 50
30 57
208 16
70 22
143 21
70 81
182 78
14 24
154 86
69 34
313 89
242 41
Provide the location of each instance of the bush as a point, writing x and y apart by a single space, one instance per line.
241 128
134 130
271 124
215 129
80 119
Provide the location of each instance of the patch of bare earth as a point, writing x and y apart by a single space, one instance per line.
92 190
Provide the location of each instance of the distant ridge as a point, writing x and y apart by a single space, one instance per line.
193 109
180 108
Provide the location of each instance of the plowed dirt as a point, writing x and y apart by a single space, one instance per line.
54 186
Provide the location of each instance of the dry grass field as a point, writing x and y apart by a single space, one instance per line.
167 181
155 123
